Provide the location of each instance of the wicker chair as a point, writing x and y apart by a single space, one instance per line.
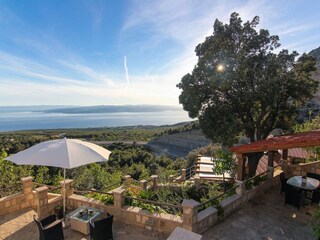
49 228
102 229
316 193
294 196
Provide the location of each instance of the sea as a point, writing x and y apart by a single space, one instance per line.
29 120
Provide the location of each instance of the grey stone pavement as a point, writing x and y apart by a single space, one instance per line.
265 218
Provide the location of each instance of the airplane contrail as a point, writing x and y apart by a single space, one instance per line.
126 71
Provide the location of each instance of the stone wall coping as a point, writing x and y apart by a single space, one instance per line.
25 179
303 164
13 196
229 200
68 181
189 203
42 189
207 213
119 190
88 200
143 181
161 216
53 195
180 233
55 200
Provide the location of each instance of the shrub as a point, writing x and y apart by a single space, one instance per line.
105 198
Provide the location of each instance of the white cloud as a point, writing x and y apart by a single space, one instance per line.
186 23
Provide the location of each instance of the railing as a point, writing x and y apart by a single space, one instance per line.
216 200
278 166
256 180
191 171
112 186
106 197
52 189
83 191
153 206
135 182
16 188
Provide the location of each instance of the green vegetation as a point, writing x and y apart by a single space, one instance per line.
137 161
251 183
310 125
240 86
105 198
315 223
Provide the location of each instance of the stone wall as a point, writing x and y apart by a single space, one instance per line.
209 217
302 169
130 215
18 201
191 219
159 222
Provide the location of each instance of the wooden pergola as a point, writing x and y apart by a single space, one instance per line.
272 145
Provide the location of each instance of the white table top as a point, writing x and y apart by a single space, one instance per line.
311 183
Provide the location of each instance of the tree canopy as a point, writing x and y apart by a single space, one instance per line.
241 86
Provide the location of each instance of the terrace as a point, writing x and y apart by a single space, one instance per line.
253 206
264 217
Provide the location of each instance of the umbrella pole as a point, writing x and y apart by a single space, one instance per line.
64 194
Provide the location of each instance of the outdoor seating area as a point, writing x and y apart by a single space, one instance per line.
262 218
21 225
92 213
298 188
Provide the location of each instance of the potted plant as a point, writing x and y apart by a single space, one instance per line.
59 211
315 223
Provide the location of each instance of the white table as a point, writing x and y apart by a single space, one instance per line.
80 221
311 184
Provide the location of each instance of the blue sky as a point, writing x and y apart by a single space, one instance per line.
86 52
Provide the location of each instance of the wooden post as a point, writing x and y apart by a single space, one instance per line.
285 161
241 167
143 185
270 158
184 174
270 164
154 181
127 181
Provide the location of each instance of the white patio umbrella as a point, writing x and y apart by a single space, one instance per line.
64 153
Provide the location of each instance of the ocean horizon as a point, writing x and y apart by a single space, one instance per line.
29 120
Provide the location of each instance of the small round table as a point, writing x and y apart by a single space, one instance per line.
310 184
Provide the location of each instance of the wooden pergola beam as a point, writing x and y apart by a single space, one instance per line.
272 145
306 139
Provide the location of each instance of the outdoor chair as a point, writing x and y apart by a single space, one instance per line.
316 193
283 181
49 228
294 196
102 229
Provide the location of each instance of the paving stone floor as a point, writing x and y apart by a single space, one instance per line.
20 226
266 218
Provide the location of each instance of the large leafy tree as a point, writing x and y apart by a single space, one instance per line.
240 85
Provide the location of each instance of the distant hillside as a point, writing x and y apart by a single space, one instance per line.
114 109
179 144
315 53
